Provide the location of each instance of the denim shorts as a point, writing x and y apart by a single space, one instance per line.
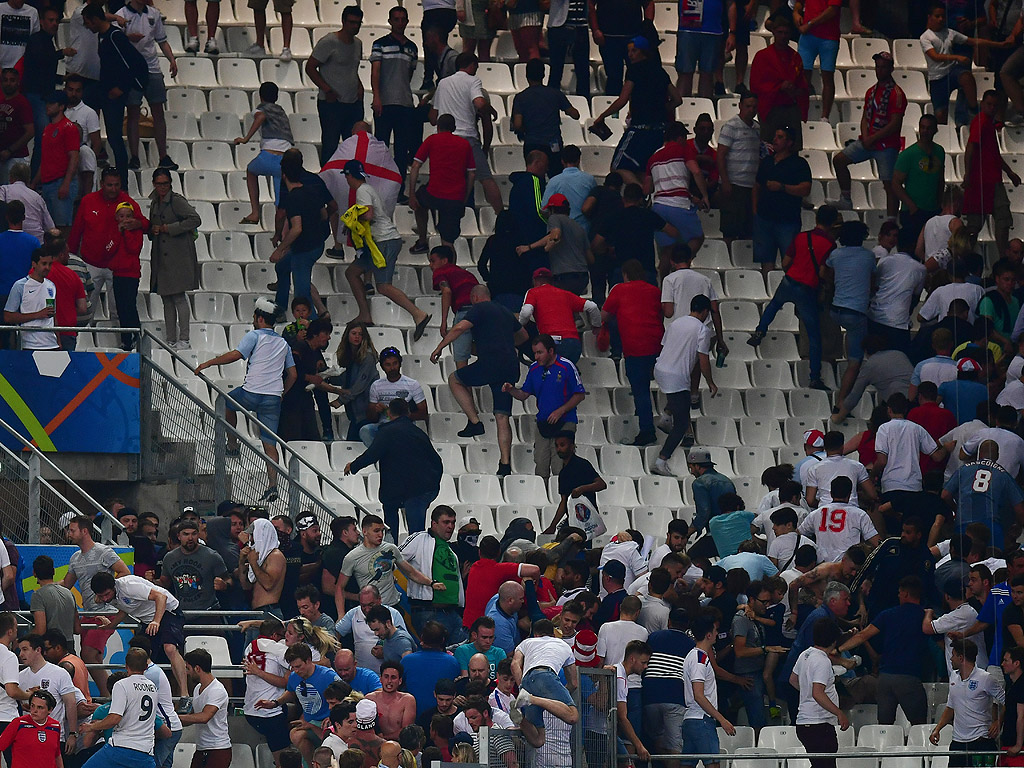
266 407
697 50
685 220
462 347
941 89
155 93
885 159
389 249
856 326
62 211
700 737
543 682
268 164
812 47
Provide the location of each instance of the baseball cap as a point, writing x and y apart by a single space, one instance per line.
355 169
366 715
66 518
641 42
699 456
467 520
306 521
615 569
814 438
542 272
716 574
883 56
557 200
584 647
968 365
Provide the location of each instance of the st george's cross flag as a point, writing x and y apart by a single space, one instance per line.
381 171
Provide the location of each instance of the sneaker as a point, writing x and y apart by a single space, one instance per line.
471 429
644 438
269 496
688 439
818 384
419 247
719 89
661 468
184 705
842 204
337 252
774 711
515 712
192 45
370 289
285 55
695 401
504 470
134 164
211 47
255 50
756 338
166 162
183 344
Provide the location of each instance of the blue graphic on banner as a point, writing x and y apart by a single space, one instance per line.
71 401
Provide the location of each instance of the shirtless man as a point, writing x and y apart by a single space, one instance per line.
366 738
820 575
395 710
261 566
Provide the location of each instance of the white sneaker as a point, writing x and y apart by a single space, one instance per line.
183 345
211 47
661 468
255 50
515 712
192 45
285 55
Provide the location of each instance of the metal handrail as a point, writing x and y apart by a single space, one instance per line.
728 756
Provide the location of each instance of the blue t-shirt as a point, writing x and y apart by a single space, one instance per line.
15 257
984 493
422 671
961 398
853 267
663 680
757 565
730 530
310 692
506 630
903 641
366 681
553 386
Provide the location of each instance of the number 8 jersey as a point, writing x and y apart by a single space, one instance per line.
134 698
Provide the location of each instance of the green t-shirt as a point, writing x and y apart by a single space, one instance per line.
925 172
1001 321
463 653
446 570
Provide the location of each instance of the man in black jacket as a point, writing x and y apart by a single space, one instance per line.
410 468
122 69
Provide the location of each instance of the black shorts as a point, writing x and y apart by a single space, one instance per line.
172 631
449 214
487 373
636 147
274 729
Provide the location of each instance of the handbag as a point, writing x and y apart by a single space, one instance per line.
146 130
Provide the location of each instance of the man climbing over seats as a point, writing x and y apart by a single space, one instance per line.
533 667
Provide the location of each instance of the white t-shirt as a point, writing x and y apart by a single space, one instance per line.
84 117
814 666
971 702
27 296
267 655
131 595
936 307
959 435
381 227
212 734
821 474
900 278
1011 447
902 441
266 356
454 96
957 620
685 338
134 698
612 639
836 528
8 674
550 652
148 23
86 61
941 42
790 575
1012 394
783 549
406 388
681 286
334 743
16 24
1016 368
697 667
627 553
57 681
764 519
164 702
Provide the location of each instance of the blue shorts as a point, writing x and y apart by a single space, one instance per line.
385 275
636 147
941 89
856 326
700 737
811 48
685 220
274 729
543 682
266 407
885 159
697 50
62 211
268 164
489 373
462 347
120 757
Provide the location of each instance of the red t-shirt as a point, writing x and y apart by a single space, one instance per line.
813 9
708 165
937 421
69 288
15 114
805 269
459 280
637 307
986 169
482 582
880 110
34 745
450 157
553 310
59 139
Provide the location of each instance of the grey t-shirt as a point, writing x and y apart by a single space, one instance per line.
58 605
375 567
192 575
754 633
85 565
339 66
570 255
399 643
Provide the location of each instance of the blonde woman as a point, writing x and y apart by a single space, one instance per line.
357 356
321 642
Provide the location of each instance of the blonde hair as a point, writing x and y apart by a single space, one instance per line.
406 759
317 637
463 753
961 242
346 356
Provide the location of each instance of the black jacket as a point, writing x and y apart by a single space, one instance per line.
121 65
409 465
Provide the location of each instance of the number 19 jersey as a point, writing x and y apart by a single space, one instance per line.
134 698
836 528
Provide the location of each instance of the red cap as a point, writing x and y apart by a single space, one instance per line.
542 272
584 647
557 200
967 365
814 438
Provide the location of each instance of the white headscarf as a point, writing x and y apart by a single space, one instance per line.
264 541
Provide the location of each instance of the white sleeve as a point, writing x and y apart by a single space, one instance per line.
808 524
374 392
5 558
118 699
417 392
526 314
821 671
602 642
882 441
9 669
867 527
927 443
134 586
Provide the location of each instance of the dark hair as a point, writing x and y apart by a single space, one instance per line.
485 622
352 10
466 59
93 11
290 757
637 648
701 626
379 613
433 635
912 586
445 252
543 628
42 567
898 403
269 92
633 269
534 70
341 712
308 591
633 192
660 580
15 212
806 556
853 233
571 154
369 520
102 581
826 632
45 696
842 487
675 131
398 407
445 687
200 657
784 516
298 652
159 172
393 664
826 215
700 303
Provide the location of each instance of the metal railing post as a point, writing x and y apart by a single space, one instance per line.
146 405
34 491
220 445
293 477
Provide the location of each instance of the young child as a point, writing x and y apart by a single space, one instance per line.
774 637
275 139
302 313
124 251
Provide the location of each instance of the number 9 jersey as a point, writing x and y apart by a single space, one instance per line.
134 698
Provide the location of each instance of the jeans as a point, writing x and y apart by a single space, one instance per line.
163 750
679 404
570 349
450 619
805 299
299 266
753 700
638 374
415 513
113 119
614 56
772 238
61 210
336 121
126 292
40 121
542 682
404 123
559 41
